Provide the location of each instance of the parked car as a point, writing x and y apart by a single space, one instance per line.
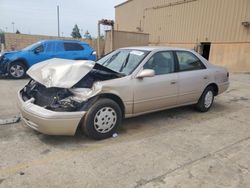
16 63
128 82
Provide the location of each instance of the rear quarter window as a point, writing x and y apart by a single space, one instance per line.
71 46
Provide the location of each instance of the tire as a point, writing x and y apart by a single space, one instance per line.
17 70
102 119
206 100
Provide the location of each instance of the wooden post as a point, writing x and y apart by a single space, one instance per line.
98 41
112 38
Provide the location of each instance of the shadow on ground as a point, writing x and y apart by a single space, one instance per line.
167 119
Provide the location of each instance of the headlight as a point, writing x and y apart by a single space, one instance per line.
94 53
1 57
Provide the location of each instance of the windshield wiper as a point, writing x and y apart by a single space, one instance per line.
106 63
124 64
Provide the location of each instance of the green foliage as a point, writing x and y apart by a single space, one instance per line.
1 36
75 32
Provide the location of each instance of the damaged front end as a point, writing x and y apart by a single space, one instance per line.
58 99
51 88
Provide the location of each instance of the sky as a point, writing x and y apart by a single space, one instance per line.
40 16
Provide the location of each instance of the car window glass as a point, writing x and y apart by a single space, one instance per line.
188 61
32 46
39 48
71 46
123 61
132 62
50 47
161 63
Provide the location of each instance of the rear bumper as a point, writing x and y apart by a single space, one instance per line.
47 121
223 87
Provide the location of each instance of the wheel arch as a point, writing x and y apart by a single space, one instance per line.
215 86
115 98
92 100
21 60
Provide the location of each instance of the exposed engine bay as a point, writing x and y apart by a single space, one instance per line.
70 99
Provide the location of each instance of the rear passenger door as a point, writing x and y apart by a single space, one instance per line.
74 50
59 50
193 77
50 49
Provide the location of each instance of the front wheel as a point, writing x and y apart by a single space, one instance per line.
206 100
102 119
17 70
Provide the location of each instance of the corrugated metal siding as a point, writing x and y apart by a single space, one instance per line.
194 21
125 39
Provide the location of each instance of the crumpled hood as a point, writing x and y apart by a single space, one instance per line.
61 73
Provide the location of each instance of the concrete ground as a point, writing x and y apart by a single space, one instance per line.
172 148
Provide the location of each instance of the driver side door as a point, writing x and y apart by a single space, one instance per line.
161 90
37 55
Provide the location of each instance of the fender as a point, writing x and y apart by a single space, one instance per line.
23 60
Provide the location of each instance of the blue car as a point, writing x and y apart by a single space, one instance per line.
16 63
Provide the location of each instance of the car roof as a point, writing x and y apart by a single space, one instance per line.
155 48
57 40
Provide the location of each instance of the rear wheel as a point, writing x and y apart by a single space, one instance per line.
17 70
206 100
102 119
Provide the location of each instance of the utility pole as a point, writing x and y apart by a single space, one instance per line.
13 26
58 22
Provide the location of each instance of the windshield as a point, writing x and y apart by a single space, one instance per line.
123 60
32 46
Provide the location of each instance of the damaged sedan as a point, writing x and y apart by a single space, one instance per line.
63 95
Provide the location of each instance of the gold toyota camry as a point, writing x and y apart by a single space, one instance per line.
63 95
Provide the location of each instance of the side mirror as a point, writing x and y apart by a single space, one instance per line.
37 50
146 73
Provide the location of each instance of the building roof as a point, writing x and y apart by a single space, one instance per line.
123 3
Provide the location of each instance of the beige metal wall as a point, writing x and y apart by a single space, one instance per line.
186 21
234 56
125 39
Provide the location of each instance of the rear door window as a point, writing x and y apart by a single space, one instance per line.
188 61
71 46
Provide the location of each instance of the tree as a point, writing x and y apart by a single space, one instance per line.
1 37
75 32
18 32
87 35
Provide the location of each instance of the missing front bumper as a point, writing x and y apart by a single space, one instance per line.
47 121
